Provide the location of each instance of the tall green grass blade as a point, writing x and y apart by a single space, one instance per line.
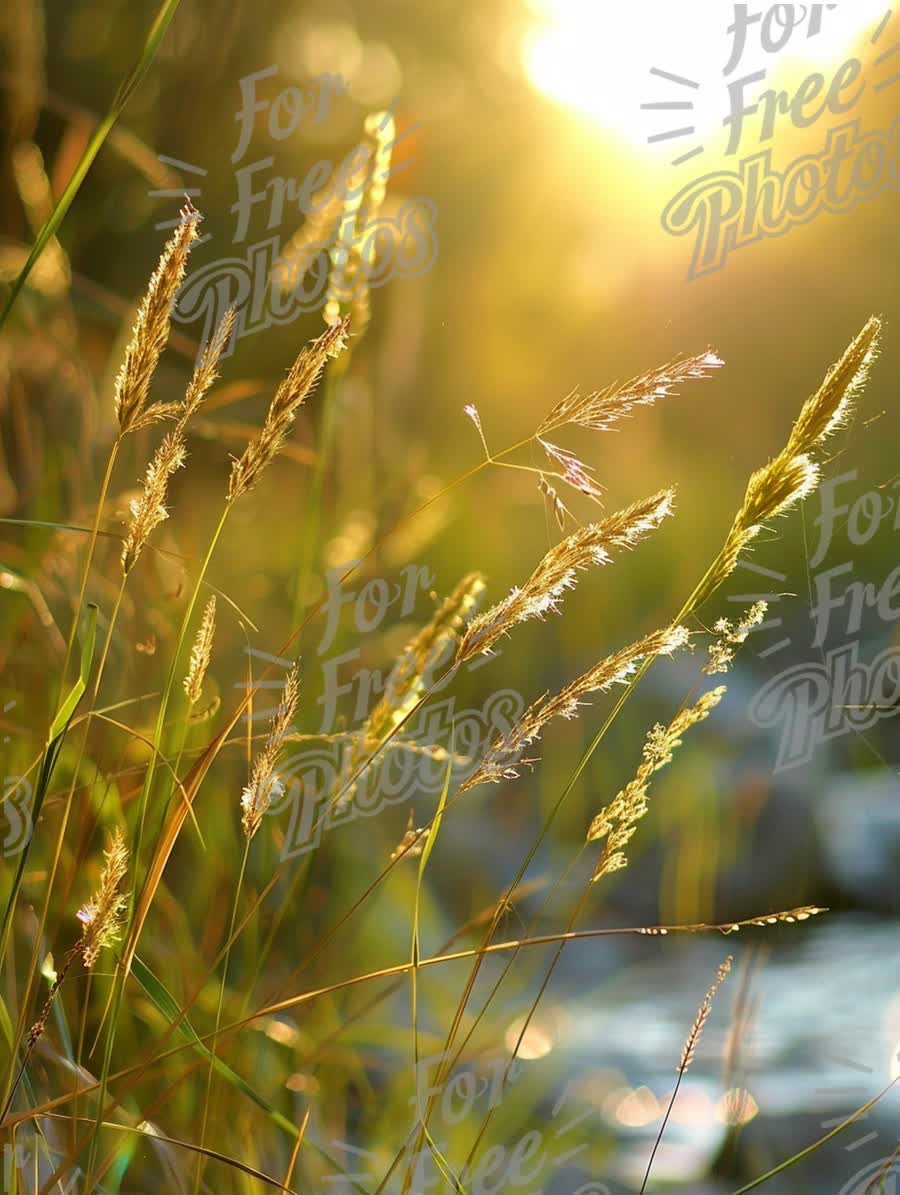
64 714
95 142
55 738
167 1005
442 1163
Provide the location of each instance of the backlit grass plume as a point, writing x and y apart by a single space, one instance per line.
265 784
290 395
616 823
794 473
101 917
730 636
151 330
201 653
558 570
500 762
603 408
690 1046
149 510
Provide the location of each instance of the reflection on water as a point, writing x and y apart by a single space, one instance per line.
821 1039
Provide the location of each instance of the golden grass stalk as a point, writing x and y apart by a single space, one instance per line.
794 473
500 762
690 1046
149 510
101 917
290 395
617 822
151 330
207 369
264 780
558 570
730 637
602 408
201 653
687 1055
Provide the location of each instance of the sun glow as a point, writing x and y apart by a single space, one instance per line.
616 63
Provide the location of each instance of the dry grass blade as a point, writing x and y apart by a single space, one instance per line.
559 568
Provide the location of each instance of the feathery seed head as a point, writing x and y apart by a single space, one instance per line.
827 409
602 409
690 1046
425 651
201 653
290 395
616 823
559 568
149 510
207 369
265 783
794 474
101 917
505 754
730 637
151 330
